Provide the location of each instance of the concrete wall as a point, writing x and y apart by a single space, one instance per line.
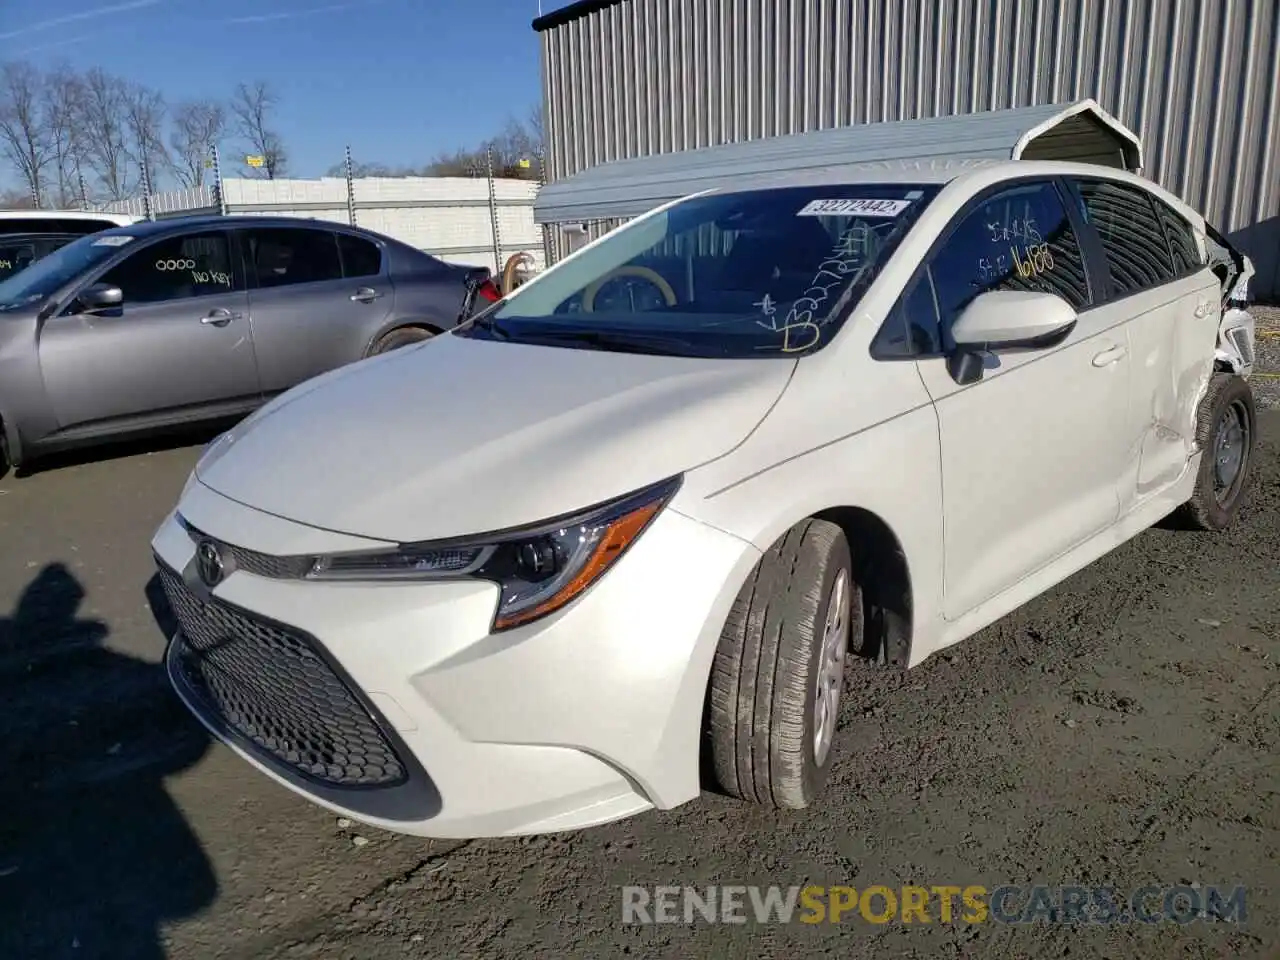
445 216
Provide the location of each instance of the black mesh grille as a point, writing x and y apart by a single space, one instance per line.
259 564
269 685
265 565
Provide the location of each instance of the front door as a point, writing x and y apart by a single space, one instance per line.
178 345
1032 454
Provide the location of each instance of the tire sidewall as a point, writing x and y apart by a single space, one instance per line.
398 339
814 777
1234 389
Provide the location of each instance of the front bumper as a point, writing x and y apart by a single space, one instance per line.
392 703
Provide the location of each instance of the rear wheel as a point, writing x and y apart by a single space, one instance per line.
403 337
1226 431
779 669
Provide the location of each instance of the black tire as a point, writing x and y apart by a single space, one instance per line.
402 337
762 692
1213 505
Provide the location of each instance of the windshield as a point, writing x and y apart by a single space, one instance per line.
762 273
47 274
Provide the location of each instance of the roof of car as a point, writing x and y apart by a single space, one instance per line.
146 228
120 219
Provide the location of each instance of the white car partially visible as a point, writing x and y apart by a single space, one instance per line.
518 580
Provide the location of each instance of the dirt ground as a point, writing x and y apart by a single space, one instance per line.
1123 730
1266 384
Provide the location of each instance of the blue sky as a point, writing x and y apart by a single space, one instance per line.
399 80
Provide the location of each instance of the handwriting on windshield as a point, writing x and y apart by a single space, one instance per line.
800 329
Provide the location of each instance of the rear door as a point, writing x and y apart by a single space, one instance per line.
316 296
1156 274
179 345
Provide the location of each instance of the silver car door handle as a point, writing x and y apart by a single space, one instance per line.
1109 356
365 295
219 317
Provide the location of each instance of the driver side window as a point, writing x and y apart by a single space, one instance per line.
1020 238
176 268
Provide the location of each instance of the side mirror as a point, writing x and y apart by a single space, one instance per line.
100 296
1006 320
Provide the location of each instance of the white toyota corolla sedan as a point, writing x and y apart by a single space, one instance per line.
638 514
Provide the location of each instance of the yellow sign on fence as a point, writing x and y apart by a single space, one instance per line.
255 161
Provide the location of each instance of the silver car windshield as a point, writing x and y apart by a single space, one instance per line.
48 274
758 273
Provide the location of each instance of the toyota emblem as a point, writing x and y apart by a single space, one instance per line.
209 563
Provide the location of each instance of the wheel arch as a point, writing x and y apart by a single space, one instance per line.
402 323
883 573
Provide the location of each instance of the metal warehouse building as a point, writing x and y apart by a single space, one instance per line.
1197 80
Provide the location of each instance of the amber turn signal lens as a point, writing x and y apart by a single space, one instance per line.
616 537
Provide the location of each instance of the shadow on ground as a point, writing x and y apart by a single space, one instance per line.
94 855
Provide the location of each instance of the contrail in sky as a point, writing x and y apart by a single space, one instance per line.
77 17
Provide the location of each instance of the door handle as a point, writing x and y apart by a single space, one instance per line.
365 295
1109 356
219 318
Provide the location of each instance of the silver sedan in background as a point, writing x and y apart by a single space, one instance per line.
162 325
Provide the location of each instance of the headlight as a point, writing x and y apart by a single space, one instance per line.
538 569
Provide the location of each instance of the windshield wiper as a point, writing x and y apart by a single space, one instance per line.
619 340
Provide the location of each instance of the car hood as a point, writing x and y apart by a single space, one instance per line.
461 436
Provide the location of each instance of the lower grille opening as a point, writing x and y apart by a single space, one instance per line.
268 684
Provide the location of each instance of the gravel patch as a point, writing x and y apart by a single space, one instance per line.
1266 368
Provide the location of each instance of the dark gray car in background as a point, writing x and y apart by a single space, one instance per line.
160 325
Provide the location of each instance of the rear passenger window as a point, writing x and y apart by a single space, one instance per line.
283 256
1018 239
360 257
1133 241
1182 241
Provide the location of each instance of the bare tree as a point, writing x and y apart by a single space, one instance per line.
197 126
11 199
103 123
24 134
144 115
251 109
62 107
516 153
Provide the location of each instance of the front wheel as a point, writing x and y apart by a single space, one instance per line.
779 669
1226 432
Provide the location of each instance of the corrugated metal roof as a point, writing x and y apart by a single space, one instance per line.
570 13
925 150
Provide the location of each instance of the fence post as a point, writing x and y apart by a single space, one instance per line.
218 195
146 190
493 209
351 190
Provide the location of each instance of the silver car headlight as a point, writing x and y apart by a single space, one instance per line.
538 569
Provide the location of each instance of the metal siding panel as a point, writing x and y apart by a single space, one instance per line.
1198 80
